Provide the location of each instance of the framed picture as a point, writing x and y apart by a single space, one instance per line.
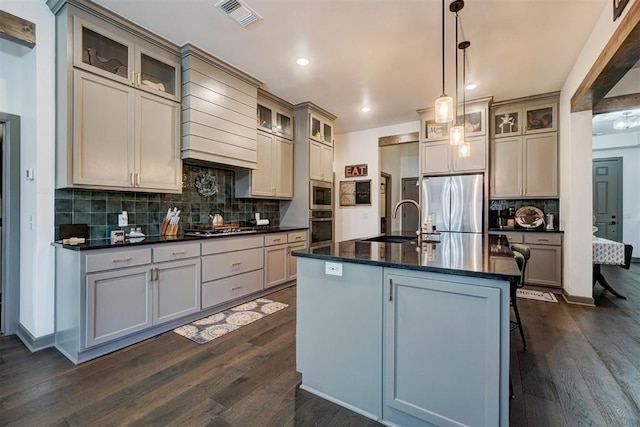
363 192
434 131
618 7
347 193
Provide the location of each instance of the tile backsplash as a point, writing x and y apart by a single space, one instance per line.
545 205
100 209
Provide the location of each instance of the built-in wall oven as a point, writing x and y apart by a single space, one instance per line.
320 226
320 195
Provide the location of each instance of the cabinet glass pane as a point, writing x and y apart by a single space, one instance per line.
103 53
507 123
328 133
264 117
315 128
283 124
158 75
541 118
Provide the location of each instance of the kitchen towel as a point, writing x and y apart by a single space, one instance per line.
204 330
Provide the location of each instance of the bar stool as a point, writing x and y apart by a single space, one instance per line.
521 254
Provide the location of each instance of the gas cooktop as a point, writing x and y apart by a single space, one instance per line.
222 232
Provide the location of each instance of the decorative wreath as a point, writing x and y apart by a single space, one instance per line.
207 185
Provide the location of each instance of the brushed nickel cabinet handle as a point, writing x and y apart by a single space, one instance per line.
133 182
122 259
390 289
137 179
133 78
235 288
138 79
157 274
182 252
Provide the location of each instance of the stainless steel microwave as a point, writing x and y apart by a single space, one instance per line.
320 195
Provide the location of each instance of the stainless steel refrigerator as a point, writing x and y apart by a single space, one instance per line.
455 202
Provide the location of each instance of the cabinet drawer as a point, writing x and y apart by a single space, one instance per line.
173 252
229 288
227 244
117 259
297 236
513 237
543 239
231 263
275 239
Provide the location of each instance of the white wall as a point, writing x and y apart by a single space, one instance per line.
627 146
399 161
575 164
354 148
27 89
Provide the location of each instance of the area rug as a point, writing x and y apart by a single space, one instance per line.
536 295
209 328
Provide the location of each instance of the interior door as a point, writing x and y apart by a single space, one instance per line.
607 197
410 218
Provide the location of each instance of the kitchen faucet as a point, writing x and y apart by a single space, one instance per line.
417 205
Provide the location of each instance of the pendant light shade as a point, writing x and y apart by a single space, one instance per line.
456 134
444 103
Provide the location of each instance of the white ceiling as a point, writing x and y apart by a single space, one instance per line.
382 53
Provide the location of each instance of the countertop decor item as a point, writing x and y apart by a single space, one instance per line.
206 184
529 217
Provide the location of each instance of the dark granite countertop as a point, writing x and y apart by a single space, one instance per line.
150 240
523 230
462 254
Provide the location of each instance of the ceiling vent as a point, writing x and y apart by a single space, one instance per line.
240 12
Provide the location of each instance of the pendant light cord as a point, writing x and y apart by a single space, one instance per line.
464 82
456 100
443 47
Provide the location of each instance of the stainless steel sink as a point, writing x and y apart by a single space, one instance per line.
390 239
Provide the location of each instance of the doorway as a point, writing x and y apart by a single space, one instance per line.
9 223
607 197
385 202
410 190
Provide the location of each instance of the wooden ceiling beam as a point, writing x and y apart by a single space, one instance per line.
17 30
620 54
404 138
617 103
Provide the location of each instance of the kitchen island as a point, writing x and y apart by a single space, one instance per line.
407 335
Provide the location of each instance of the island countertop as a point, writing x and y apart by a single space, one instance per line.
462 254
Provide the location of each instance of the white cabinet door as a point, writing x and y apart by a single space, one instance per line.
261 178
118 304
540 165
326 154
292 262
315 160
176 289
506 167
436 157
158 164
275 260
419 350
283 167
476 161
103 132
545 265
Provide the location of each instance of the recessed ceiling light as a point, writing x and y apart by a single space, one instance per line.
365 109
471 86
302 61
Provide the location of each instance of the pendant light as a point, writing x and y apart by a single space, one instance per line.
626 122
456 134
465 148
444 104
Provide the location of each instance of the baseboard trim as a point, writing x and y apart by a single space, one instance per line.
574 299
32 343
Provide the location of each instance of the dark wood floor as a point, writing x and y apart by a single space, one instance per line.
582 367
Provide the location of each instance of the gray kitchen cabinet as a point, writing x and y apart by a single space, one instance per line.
441 157
118 115
273 177
524 148
119 303
218 111
280 265
320 129
176 289
320 162
124 138
417 353
274 115
525 166
297 240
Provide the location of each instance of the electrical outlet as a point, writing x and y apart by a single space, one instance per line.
333 268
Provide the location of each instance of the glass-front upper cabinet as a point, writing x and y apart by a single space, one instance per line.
264 118
272 118
101 52
509 120
327 135
320 130
284 125
114 56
